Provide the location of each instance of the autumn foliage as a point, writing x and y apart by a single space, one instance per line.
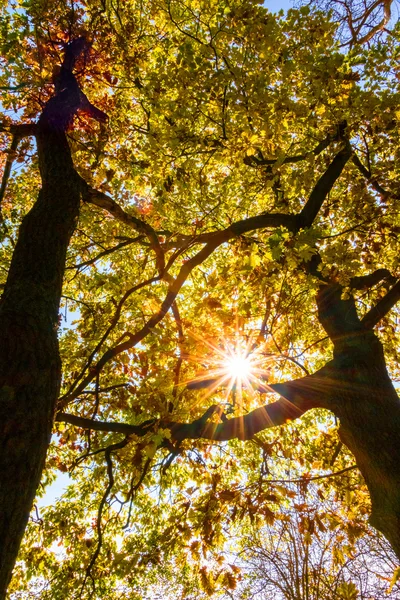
230 183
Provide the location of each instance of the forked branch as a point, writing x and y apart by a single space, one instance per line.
387 12
368 176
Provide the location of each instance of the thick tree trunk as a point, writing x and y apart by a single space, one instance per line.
359 391
30 369
369 411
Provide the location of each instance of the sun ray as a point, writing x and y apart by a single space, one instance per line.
239 367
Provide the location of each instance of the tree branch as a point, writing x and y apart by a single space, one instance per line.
21 130
365 282
385 304
18 131
108 457
368 176
331 137
103 201
243 427
306 479
323 187
106 252
297 397
7 167
106 426
262 221
181 339
385 20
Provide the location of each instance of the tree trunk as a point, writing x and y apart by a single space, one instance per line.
30 368
358 390
369 411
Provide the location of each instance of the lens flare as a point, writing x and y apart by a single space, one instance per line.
239 369
239 366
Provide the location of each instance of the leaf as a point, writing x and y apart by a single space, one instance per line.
150 449
394 580
228 495
348 590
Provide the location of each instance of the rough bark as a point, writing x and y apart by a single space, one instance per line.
30 369
30 366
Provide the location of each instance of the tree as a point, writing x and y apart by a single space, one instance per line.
208 176
307 555
360 22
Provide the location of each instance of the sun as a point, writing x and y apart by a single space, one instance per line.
239 366
236 367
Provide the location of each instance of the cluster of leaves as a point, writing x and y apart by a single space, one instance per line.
217 112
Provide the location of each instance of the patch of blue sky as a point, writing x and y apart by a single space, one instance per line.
276 5
54 491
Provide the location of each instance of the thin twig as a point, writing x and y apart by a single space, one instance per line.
107 454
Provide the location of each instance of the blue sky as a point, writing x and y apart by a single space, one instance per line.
276 5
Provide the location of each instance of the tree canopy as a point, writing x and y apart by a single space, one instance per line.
208 181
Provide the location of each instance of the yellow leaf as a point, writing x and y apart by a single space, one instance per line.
394 580
150 450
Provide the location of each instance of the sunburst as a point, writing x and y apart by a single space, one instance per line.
235 367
